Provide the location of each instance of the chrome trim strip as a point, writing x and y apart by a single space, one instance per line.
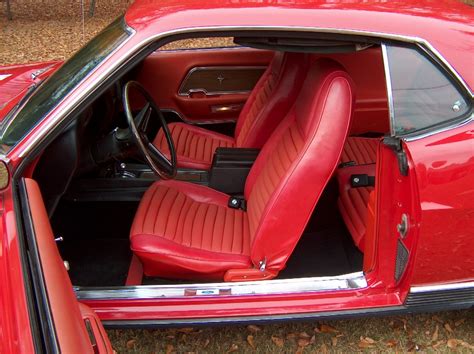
208 68
265 287
43 131
201 122
441 287
388 80
455 124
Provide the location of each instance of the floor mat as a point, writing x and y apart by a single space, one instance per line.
99 262
323 253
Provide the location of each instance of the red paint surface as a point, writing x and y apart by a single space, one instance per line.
441 167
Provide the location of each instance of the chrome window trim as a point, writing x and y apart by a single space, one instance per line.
349 281
441 287
182 93
388 83
65 110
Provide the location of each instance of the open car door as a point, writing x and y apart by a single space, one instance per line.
75 327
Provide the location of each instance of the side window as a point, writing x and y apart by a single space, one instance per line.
422 95
200 43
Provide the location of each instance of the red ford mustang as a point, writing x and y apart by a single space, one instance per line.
318 162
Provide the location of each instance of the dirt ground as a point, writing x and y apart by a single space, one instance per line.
47 29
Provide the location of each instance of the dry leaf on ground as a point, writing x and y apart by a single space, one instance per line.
324 328
131 343
279 342
250 341
435 336
233 348
169 349
253 328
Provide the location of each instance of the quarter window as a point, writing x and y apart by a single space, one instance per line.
422 95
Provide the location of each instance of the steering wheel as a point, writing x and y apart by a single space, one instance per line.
140 126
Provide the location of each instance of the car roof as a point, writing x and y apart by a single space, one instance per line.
446 24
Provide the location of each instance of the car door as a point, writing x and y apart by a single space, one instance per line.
427 205
75 327
203 86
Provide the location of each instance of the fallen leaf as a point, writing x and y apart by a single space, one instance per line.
437 344
391 343
304 335
131 344
303 342
366 342
459 322
291 336
334 341
323 349
253 329
185 330
452 343
313 339
327 329
436 318
206 343
300 350
412 347
435 336
169 349
467 345
278 341
250 341
448 327
233 348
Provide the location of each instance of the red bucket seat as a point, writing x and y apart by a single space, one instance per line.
267 105
183 230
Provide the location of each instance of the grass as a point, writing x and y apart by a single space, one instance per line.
440 332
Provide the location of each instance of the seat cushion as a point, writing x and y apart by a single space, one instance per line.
360 150
353 202
194 146
187 231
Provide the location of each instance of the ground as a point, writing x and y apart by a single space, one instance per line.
51 29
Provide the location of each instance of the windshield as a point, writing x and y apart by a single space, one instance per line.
56 87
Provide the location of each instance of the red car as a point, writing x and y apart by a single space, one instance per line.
306 160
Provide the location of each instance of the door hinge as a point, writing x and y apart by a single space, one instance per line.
396 145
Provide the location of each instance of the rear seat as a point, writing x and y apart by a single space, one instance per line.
357 204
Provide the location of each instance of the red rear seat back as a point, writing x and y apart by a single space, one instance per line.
353 202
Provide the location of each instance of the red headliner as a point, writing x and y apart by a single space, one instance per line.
446 24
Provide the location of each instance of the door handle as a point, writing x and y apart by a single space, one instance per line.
200 93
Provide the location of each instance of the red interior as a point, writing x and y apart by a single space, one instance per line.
187 231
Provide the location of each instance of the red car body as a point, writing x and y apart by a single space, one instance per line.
437 193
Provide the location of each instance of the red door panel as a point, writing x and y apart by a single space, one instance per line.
163 72
444 167
74 323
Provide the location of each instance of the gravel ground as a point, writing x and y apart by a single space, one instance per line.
53 30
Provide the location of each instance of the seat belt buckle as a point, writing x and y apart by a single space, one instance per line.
237 203
362 180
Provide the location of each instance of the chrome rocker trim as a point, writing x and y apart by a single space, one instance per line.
265 287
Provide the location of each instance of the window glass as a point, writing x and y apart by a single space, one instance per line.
46 96
422 95
200 43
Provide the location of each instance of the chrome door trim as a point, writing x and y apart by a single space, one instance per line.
264 287
388 82
134 50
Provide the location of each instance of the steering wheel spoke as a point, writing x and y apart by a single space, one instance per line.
160 164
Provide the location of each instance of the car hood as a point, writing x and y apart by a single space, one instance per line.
16 79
